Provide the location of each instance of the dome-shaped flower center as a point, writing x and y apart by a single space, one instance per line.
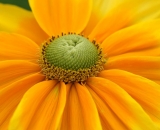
71 58
72 52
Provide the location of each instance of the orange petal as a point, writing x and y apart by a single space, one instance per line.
60 16
122 104
144 91
56 120
19 20
17 47
125 14
140 37
4 124
88 107
11 95
76 116
49 113
65 118
33 102
12 70
157 81
72 117
147 66
109 119
153 51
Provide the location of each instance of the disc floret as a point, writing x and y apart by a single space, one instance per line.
71 58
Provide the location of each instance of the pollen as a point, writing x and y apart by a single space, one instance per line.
71 58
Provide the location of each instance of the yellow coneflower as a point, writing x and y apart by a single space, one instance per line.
80 65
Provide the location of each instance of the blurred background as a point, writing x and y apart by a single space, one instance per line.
21 3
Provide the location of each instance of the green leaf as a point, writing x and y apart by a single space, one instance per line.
21 3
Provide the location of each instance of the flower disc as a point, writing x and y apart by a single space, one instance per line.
72 52
71 58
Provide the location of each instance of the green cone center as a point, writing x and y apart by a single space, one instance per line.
71 52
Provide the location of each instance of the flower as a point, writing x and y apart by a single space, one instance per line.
123 96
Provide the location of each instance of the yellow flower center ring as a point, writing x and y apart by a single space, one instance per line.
71 58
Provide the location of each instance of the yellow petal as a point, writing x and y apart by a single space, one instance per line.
32 101
60 16
17 47
15 19
125 14
140 37
12 70
88 107
122 104
146 66
11 95
99 10
144 91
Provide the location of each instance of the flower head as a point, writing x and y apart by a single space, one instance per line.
80 65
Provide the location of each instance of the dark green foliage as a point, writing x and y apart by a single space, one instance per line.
21 3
